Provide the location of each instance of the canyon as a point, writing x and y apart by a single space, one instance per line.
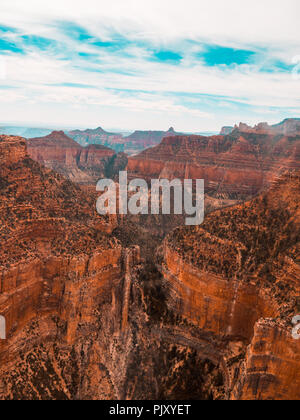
131 145
100 307
118 142
82 310
58 263
235 166
84 165
238 277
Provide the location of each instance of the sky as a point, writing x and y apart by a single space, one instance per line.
136 64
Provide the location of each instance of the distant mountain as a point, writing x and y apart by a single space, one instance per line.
26 132
235 166
226 130
132 144
98 136
286 127
56 138
140 140
90 132
85 165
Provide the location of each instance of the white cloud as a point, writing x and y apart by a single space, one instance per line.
270 25
266 21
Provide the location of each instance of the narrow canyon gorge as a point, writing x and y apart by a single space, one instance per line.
104 307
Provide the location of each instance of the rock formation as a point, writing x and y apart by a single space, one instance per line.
226 130
211 320
237 278
131 145
287 127
85 165
234 167
59 267
81 311
100 137
140 140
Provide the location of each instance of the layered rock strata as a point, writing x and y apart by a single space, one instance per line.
59 269
235 166
238 277
84 165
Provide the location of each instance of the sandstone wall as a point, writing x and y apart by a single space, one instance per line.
54 303
238 165
210 301
237 312
272 365
238 277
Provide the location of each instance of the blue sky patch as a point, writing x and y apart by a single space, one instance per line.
7 47
276 66
216 56
73 85
6 29
78 33
88 56
38 42
167 56
75 31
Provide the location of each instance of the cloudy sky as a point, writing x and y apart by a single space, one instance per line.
137 64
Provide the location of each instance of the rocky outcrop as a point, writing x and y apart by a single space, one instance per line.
226 130
140 140
85 165
288 127
82 311
59 269
131 145
235 166
237 277
98 136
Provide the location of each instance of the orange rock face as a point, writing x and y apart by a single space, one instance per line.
85 165
235 166
238 277
83 311
59 267
80 314
140 140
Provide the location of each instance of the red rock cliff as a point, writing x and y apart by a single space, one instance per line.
85 165
234 166
238 277
60 270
